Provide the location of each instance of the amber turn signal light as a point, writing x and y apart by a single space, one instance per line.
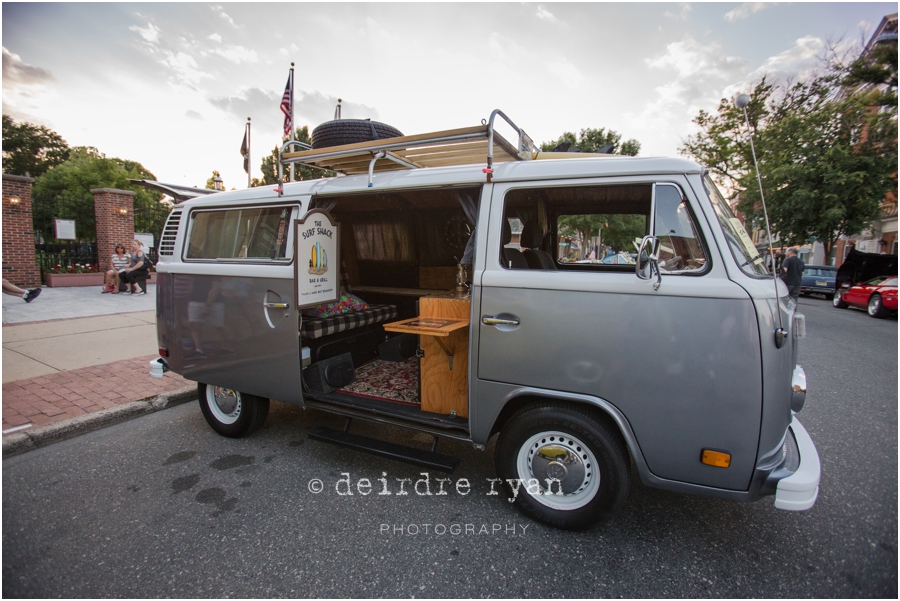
715 458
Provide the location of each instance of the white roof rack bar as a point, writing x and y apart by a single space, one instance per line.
526 145
468 145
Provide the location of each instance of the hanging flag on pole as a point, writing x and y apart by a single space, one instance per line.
245 151
287 105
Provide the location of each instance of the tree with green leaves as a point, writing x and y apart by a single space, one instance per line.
31 149
827 158
86 169
269 165
615 230
592 140
876 70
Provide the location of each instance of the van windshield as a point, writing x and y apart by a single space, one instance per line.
742 247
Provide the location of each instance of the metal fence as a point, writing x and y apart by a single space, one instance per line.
50 252
64 255
46 209
149 217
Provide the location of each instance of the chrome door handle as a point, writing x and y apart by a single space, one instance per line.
490 320
277 305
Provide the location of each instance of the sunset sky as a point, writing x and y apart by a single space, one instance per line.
171 85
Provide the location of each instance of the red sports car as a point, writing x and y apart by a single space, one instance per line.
878 295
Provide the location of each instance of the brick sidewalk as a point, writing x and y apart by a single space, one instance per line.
60 396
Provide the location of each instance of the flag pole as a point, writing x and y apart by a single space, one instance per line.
249 163
292 117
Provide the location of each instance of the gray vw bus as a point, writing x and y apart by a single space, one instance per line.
472 299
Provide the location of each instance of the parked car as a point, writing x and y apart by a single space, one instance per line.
618 259
819 279
861 267
878 296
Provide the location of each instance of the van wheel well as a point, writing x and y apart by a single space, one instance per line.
522 402
571 445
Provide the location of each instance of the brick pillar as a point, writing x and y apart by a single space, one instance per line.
19 264
114 215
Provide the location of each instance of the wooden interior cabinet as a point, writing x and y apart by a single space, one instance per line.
443 329
445 389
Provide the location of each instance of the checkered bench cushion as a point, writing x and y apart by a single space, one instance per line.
313 328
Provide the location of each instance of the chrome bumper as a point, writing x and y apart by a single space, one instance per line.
800 490
798 389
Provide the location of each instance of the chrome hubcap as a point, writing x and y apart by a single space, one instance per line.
873 305
558 470
225 403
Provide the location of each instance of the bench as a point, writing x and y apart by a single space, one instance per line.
139 280
314 328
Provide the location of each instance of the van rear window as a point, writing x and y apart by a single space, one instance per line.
244 233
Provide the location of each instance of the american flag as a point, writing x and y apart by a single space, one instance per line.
287 104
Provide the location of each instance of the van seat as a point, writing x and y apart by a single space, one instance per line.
319 327
532 238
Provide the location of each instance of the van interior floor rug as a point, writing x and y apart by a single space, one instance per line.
387 380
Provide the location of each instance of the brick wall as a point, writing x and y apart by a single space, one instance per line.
19 265
114 215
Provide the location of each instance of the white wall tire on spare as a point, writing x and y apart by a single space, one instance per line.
571 463
230 412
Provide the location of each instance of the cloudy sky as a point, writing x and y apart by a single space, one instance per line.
171 85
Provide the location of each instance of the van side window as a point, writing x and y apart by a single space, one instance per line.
575 228
245 233
680 249
598 228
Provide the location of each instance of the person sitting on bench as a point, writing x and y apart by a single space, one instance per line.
136 273
118 262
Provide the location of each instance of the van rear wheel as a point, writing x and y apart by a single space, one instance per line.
230 412
572 468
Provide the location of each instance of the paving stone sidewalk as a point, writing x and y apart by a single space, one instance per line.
74 352
60 396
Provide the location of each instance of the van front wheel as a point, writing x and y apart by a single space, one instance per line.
230 412
563 466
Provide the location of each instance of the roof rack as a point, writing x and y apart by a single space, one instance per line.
464 146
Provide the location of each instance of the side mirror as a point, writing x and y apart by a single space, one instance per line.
648 260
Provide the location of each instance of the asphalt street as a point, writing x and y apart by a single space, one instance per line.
163 507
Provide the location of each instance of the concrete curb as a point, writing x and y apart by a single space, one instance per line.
27 440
